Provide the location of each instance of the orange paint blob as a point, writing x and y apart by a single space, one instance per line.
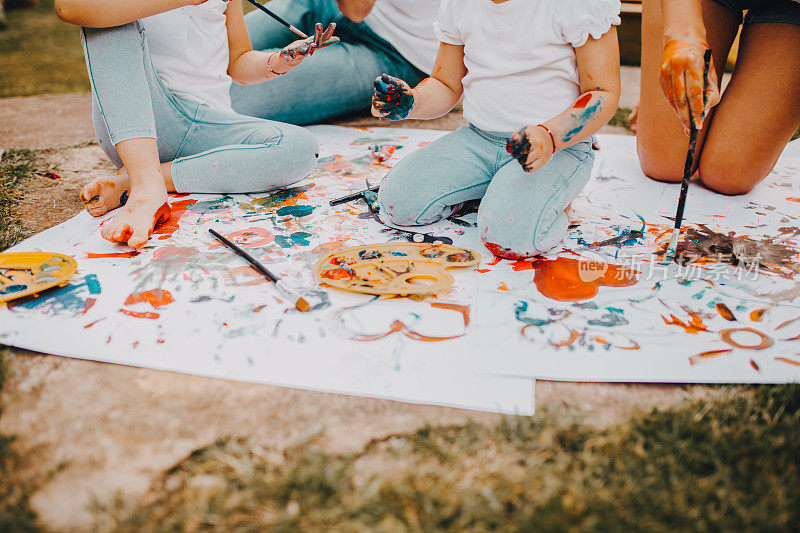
138 314
337 273
787 361
114 254
503 286
699 358
518 266
694 326
155 297
570 280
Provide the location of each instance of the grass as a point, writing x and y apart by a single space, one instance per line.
728 464
15 165
40 54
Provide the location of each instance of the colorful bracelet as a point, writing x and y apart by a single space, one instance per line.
550 133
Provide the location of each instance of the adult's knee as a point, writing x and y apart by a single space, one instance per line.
659 163
729 177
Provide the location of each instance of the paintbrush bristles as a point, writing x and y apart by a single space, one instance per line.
302 305
673 244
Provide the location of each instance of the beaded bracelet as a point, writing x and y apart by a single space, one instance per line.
270 69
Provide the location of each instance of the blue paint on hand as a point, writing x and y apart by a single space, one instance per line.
392 97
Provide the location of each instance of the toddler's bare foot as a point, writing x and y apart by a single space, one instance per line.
135 221
103 194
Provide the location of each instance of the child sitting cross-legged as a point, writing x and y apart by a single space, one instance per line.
539 78
160 72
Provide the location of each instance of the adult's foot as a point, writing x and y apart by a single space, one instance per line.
105 193
135 221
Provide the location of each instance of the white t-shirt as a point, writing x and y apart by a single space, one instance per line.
189 50
408 26
520 55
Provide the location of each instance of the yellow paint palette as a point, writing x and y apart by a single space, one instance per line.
394 268
24 274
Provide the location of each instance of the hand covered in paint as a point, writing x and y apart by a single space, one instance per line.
681 80
532 146
392 98
295 53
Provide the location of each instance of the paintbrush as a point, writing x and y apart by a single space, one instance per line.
279 19
354 196
299 302
619 239
687 172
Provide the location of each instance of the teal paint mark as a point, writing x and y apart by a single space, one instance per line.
296 210
74 299
400 254
212 206
298 238
580 120
586 305
521 308
611 319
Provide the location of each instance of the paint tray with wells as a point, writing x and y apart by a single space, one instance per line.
25 274
400 269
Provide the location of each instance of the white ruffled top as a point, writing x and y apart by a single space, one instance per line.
520 55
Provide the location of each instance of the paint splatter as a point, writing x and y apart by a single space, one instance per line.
570 280
155 297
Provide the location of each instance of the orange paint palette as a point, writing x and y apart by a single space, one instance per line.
399 269
24 274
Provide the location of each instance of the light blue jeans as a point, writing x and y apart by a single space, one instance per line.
520 215
211 151
335 81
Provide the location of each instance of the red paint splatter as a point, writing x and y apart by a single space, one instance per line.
155 297
582 101
493 261
518 266
569 280
90 324
504 253
177 210
755 366
484 270
138 314
797 200
127 255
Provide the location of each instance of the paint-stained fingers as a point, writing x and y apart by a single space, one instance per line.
318 31
329 32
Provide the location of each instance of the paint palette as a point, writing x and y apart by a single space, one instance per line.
24 274
394 268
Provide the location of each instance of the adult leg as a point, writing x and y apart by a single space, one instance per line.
523 214
335 81
432 182
759 111
660 138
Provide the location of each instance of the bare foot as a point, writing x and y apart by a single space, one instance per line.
105 193
145 209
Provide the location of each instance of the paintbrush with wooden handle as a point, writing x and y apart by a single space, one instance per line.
687 171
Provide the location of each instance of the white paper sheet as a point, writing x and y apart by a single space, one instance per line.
187 304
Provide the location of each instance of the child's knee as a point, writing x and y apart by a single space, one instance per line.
399 202
302 153
516 235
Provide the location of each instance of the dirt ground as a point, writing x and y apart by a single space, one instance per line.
100 429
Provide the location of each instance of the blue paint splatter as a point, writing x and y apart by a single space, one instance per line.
74 299
296 210
298 238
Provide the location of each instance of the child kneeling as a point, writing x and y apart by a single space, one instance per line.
550 65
